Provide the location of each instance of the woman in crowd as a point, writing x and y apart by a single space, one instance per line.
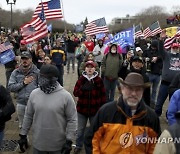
88 57
91 96
47 59
40 58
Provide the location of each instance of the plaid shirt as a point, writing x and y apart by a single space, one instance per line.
89 102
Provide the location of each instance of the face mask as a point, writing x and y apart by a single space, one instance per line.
174 51
47 85
113 51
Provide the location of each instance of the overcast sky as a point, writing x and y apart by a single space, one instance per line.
76 11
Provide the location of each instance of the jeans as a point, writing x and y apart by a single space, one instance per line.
36 151
20 112
61 73
70 56
110 87
154 79
82 121
1 137
162 96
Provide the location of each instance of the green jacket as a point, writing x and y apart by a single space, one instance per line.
111 65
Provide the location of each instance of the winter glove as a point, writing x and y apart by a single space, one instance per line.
67 147
23 143
87 86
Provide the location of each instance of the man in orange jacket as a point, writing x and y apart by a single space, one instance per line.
127 125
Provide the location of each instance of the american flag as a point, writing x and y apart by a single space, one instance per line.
27 31
169 41
96 27
52 9
147 32
138 30
39 27
155 28
152 30
5 46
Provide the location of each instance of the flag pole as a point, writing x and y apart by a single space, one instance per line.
49 42
134 34
61 3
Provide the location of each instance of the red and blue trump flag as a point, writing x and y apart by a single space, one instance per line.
124 38
5 46
6 53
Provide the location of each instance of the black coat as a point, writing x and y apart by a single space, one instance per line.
156 68
6 107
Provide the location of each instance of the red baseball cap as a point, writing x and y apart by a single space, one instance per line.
90 63
23 42
175 45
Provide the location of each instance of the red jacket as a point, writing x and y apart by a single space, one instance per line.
89 101
89 45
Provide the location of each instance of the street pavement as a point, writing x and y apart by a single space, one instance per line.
12 130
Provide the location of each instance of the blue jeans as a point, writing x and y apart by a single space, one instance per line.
154 79
110 87
70 56
82 121
20 112
1 137
162 96
61 73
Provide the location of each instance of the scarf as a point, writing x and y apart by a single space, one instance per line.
47 85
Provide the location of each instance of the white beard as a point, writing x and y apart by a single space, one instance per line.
132 104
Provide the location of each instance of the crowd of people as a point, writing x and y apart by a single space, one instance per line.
144 75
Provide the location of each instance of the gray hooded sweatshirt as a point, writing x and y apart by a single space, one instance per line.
53 118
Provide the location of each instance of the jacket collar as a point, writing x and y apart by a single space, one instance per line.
126 110
86 76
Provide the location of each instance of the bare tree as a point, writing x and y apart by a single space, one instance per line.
146 17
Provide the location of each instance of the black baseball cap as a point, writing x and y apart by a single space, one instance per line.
137 58
26 54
